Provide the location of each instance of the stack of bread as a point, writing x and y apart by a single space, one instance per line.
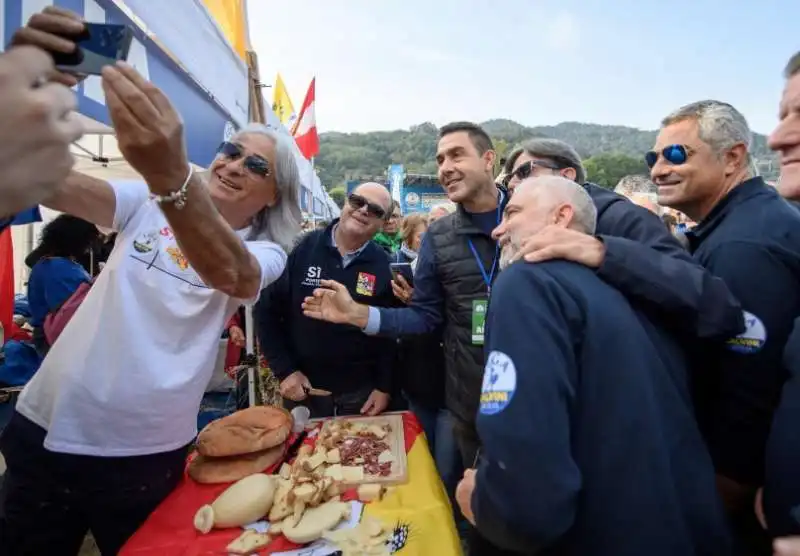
245 442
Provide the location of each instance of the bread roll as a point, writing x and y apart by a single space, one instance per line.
233 468
244 432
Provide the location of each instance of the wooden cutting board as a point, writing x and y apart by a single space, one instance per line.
396 440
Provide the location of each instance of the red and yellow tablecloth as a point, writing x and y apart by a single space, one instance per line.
418 511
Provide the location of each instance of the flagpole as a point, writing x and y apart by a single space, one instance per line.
313 213
256 113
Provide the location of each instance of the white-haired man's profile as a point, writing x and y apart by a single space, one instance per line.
540 202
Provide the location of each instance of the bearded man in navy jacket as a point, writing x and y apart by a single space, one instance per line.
589 443
304 353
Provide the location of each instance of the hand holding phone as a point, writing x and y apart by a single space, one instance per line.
404 270
402 281
47 30
99 45
78 48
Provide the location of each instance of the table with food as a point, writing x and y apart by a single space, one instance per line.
261 482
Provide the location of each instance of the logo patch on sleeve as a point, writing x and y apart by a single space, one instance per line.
499 383
365 285
753 337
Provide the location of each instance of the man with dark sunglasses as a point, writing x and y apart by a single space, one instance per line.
750 237
305 353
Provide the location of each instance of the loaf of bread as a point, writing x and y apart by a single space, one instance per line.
245 432
230 469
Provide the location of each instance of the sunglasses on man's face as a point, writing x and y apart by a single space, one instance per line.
357 202
526 170
258 165
674 154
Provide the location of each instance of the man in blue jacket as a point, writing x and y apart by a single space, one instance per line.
305 353
781 500
749 236
589 443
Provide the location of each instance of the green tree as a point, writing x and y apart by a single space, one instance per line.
338 195
501 149
607 169
614 150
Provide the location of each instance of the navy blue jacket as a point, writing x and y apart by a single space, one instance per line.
333 357
781 500
751 239
420 363
643 260
590 445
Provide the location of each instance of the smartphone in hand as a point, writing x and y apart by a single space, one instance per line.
404 270
100 45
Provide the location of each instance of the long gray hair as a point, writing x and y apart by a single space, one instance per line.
280 223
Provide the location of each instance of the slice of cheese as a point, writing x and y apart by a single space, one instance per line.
334 472
248 542
370 492
334 456
352 473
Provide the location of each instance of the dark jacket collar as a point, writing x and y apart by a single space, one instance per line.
742 193
463 219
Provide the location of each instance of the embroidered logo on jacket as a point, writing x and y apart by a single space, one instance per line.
365 284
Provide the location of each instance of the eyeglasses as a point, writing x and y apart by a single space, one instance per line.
357 202
258 165
674 154
526 170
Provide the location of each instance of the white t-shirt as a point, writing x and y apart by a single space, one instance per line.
127 375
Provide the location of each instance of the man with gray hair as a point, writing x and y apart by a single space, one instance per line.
561 200
632 251
785 139
571 364
782 483
750 237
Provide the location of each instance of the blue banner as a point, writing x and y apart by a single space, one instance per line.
397 176
204 120
27 217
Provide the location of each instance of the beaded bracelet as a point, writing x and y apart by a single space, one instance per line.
177 198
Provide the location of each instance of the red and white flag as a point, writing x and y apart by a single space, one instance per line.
305 130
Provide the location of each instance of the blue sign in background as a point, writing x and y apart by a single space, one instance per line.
419 198
204 120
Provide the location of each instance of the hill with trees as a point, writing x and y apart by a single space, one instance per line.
609 152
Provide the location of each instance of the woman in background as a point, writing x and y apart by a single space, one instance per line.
56 269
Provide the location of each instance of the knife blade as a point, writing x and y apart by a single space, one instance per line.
316 391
